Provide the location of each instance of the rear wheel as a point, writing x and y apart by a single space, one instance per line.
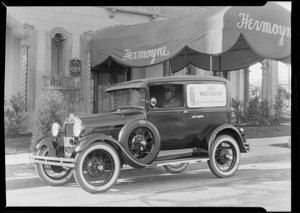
176 167
224 156
97 168
52 175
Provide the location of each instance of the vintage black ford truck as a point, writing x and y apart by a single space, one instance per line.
167 121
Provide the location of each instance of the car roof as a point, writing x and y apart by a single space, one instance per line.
142 83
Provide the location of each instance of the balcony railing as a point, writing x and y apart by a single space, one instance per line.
59 82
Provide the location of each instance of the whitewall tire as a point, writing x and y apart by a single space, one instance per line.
175 168
52 175
224 156
97 168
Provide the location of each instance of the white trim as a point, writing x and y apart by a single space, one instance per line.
60 30
15 26
152 15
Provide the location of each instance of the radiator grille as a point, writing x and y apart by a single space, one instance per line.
69 130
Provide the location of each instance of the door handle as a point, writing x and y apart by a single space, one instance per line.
185 111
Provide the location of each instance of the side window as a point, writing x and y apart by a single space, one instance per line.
206 95
167 95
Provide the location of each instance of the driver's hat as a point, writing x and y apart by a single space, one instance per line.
170 87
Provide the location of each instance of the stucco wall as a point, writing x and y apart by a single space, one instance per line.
75 20
12 64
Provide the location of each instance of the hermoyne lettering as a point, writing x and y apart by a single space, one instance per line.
144 54
265 27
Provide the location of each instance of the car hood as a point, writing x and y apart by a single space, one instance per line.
110 120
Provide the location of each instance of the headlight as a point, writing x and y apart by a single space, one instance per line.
56 128
77 129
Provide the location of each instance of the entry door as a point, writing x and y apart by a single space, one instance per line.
170 122
102 81
171 125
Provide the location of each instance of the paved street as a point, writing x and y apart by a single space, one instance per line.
266 185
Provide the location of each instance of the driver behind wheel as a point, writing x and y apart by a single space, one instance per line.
171 97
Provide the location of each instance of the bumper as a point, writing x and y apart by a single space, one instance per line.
53 161
247 147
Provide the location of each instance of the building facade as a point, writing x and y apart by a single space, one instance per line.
48 46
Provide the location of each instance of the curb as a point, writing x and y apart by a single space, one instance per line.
34 181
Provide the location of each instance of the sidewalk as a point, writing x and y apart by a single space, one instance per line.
258 147
261 150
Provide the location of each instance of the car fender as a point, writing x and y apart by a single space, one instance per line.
87 141
48 142
214 130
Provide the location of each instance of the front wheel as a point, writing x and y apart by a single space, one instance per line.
97 168
175 168
52 175
224 156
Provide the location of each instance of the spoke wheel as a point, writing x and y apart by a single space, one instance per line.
224 156
141 143
175 168
97 168
52 175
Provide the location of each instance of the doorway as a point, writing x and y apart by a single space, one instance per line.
105 75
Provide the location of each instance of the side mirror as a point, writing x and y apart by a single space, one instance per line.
153 102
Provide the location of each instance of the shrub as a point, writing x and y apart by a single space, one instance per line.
48 110
53 106
265 118
278 107
237 113
258 111
252 113
73 100
285 95
14 115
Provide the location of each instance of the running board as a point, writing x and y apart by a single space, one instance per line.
177 161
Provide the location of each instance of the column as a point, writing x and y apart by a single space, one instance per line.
89 100
24 73
264 67
272 83
289 77
246 87
24 50
166 68
88 81
269 82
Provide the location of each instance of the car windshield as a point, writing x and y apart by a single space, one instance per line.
126 98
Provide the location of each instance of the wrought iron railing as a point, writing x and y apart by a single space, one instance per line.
56 81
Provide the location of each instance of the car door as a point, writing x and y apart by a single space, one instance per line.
207 104
170 122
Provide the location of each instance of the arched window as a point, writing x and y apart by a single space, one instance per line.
58 48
